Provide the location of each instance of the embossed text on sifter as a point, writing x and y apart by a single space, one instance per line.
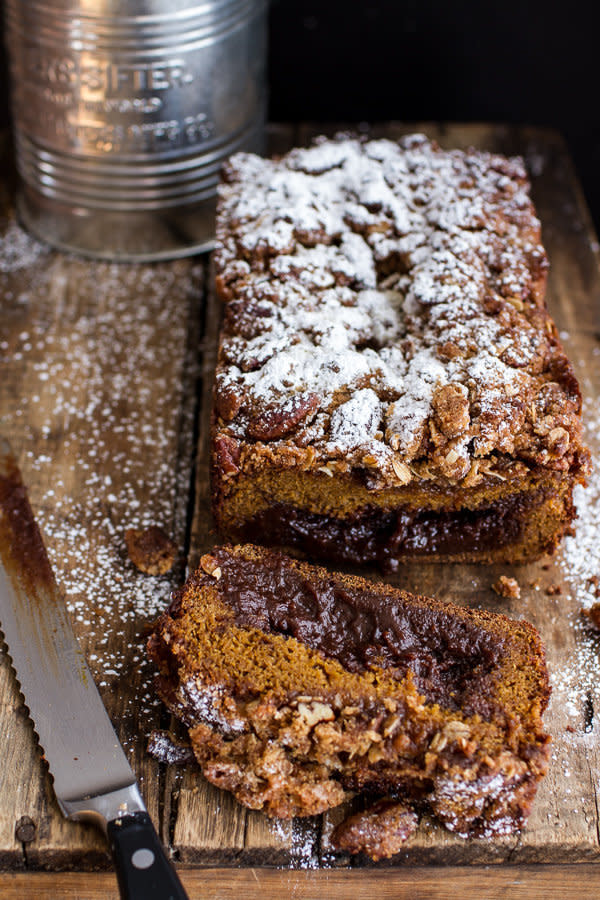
124 112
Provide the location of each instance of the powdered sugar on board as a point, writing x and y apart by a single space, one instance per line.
17 249
576 680
102 395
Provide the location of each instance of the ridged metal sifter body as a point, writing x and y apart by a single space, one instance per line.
123 113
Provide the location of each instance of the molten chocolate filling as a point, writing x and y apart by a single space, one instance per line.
449 656
373 535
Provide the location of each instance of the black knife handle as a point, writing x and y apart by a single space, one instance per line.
143 870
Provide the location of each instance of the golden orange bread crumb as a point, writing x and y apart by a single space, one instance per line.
150 549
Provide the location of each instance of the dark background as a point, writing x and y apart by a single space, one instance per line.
518 62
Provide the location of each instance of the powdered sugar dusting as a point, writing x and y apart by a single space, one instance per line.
475 796
581 555
356 420
576 679
17 249
206 703
102 385
388 271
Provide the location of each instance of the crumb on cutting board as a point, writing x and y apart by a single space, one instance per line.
166 748
507 587
151 550
379 831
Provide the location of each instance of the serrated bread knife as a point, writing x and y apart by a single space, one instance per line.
92 779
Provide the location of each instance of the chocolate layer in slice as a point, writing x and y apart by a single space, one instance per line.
299 686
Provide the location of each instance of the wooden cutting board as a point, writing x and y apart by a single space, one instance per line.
105 383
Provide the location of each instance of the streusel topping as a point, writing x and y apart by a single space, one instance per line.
385 310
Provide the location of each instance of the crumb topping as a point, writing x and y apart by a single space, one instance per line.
384 306
290 725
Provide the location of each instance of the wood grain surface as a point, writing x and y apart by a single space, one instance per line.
105 383
574 882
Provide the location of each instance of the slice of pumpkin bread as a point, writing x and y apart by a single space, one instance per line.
299 686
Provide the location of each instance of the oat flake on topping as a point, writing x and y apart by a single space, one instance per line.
375 275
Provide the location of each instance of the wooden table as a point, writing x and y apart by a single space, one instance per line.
104 393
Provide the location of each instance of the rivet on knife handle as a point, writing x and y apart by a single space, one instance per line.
143 870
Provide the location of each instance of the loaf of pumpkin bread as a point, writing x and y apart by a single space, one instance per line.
390 385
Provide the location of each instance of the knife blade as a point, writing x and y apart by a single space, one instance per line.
92 779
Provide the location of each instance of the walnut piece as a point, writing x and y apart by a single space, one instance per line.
455 730
314 712
278 420
451 409
210 565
